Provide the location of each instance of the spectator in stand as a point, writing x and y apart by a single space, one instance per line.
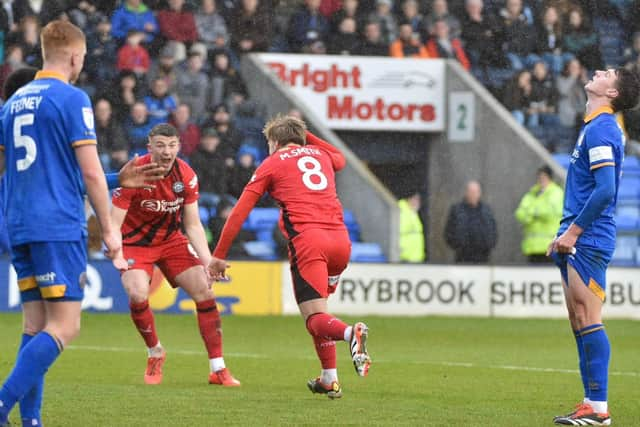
549 44
134 15
517 96
442 45
471 227
133 56
411 240
101 53
113 147
189 132
307 27
346 41
28 37
581 40
519 36
13 61
225 80
177 23
408 44
243 170
249 122
572 100
165 66
209 164
329 7
126 94
632 53
373 43
250 27
44 11
137 128
160 103
192 86
85 14
212 29
349 9
544 98
229 136
440 10
216 223
482 36
411 14
385 18
540 212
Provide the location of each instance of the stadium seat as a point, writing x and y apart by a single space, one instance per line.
367 252
260 250
626 250
629 189
627 224
628 208
562 159
631 167
352 225
263 218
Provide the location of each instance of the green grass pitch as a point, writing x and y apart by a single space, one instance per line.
425 371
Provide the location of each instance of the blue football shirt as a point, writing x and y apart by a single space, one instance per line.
40 125
600 144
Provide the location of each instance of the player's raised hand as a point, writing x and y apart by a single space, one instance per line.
217 269
134 176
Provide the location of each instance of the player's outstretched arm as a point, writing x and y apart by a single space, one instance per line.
232 226
195 232
337 158
139 176
97 191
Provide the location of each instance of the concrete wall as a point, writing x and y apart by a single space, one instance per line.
503 157
359 190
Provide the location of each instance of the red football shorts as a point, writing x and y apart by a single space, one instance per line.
172 257
316 254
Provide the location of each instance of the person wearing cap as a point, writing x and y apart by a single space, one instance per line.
540 212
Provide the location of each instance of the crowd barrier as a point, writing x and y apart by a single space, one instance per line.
262 288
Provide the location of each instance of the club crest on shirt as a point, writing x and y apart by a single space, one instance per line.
178 187
87 116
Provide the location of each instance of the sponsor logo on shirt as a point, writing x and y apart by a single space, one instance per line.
170 206
178 187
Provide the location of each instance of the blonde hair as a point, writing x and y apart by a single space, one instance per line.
285 129
57 37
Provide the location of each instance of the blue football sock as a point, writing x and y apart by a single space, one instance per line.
31 365
31 403
597 352
583 362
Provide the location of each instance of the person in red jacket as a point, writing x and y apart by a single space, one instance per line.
133 56
300 175
442 45
177 24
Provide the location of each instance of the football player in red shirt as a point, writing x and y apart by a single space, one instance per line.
150 220
300 175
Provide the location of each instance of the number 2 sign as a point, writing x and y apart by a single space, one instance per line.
462 119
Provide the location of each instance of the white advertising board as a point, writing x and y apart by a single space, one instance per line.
366 93
410 290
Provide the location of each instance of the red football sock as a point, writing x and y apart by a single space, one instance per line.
327 326
142 317
326 350
210 327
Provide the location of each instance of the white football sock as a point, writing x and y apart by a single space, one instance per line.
600 407
216 364
328 376
155 351
347 333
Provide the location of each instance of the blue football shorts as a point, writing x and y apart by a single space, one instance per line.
54 271
590 262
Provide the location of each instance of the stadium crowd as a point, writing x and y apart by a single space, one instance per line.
154 61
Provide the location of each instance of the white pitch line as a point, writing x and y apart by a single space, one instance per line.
419 362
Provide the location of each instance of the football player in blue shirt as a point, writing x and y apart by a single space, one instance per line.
49 151
586 239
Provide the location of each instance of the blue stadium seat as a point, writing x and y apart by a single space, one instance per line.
628 208
626 250
261 218
207 206
627 224
562 159
260 250
352 225
629 189
367 252
631 167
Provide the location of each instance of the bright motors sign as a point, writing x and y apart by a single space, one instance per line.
365 93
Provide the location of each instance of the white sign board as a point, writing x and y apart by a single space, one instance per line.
366 93
462 116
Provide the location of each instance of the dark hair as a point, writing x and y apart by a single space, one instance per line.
546 170
17 79
628 86
163 129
